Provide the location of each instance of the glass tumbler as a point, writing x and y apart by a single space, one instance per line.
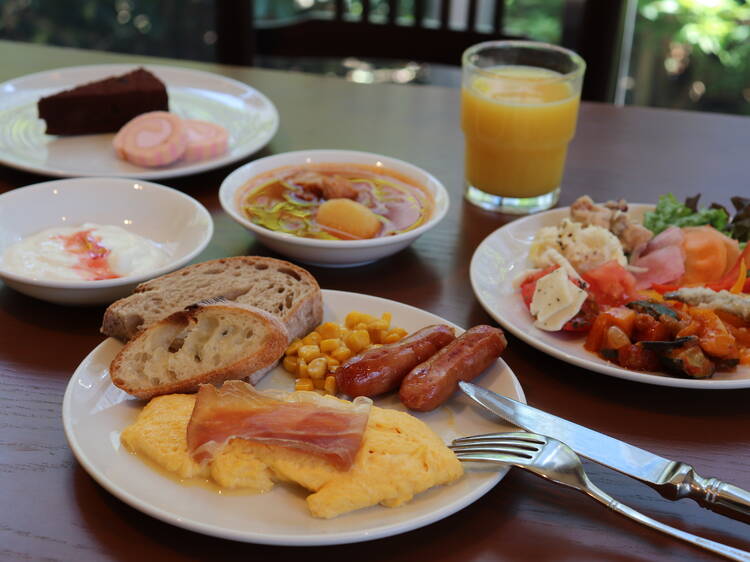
519 106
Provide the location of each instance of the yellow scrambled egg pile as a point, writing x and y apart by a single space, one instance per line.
400 456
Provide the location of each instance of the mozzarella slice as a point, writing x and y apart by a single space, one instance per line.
556 300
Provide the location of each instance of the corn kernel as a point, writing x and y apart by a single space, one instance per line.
293 347
309 352
330 385
332 364
387 317
302 369
313 338
304 384
352 319
317 368
358 340
342 353
329 330
329 344
378 336
290 364
394 335
377 325
355 317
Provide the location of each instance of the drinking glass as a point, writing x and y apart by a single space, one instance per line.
519 106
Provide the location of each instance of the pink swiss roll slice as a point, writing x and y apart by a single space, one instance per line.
152 139
205 140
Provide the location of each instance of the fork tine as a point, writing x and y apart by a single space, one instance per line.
492 456
523 453
518 435
498 444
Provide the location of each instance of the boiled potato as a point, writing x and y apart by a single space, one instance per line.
349 217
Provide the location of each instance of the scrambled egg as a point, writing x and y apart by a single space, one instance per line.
585 247
400 456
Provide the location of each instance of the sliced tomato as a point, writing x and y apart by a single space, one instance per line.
611 284
529 284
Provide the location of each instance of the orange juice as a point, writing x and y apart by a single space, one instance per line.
517 121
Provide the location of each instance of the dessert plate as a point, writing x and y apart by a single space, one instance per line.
502 257
249 116
95 412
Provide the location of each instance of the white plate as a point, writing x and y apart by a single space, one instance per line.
501 258
95 412
248 115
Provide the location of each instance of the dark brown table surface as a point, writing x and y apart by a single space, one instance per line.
50 509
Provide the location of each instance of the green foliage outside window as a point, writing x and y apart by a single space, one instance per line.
693 54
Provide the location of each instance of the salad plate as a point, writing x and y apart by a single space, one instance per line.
502 257
95 412
250 118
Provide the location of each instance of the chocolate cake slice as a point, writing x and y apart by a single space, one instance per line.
103 106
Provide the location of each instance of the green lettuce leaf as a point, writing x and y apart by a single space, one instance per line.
670 212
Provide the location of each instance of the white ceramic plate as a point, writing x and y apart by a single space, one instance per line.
95 412
248 115
501 258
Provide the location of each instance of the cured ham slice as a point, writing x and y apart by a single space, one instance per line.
663 266
661 261
322 426
152 139
205 140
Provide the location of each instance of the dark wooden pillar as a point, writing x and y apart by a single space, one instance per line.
235 35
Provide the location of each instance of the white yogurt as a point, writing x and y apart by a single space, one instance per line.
86 252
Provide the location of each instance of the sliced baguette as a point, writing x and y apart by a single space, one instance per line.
279 287
205 343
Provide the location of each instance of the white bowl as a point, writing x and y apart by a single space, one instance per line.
177 222
330 253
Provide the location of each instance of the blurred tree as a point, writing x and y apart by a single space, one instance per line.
693 54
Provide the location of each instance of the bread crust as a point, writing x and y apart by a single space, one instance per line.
300 316
255 365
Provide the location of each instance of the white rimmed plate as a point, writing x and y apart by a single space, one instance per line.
249 116
501 258
95 412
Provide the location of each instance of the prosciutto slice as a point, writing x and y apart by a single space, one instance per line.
663 259
322 426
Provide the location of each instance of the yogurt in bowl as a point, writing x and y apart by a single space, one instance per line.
92 240
89 252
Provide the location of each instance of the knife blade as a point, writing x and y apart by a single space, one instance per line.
672 479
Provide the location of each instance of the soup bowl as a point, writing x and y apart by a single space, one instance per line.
175 222
324 252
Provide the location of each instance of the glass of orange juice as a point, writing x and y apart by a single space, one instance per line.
519 105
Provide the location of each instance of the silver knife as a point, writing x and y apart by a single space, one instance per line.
673 480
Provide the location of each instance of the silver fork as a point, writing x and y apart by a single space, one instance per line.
553 460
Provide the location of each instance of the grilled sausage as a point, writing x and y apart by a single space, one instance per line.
383 368
431 383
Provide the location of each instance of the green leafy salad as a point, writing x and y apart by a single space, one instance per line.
670 212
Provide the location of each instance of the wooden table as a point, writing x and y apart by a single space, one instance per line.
52 510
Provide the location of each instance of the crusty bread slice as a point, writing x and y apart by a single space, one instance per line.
279 287
205 343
